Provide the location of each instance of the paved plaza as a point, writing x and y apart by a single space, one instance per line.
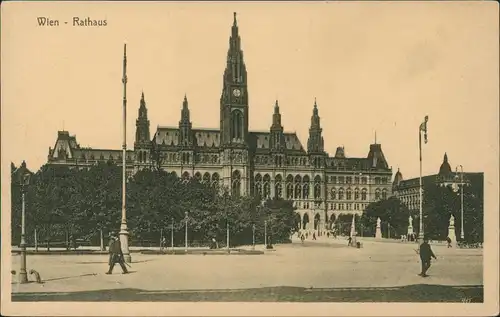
322 270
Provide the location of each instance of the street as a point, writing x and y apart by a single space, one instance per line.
322 270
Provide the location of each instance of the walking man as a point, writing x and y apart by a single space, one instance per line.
425 256
448 240
115 254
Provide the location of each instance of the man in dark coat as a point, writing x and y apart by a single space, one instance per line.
425 256
115 254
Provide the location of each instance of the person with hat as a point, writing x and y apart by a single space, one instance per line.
425 256
115 254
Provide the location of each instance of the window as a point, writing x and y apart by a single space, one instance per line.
356 194
384 194
348 180
236 183
356 180
363 180
333 194
237 124
333 179
348 194
341 179
377 194
363 194
341 194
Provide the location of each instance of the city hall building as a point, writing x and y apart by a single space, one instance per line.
271 163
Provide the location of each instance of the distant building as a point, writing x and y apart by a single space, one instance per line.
407 190
271 163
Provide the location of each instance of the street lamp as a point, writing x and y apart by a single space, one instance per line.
423 128
253 237
461 183
123 225
172 234
186 232
23 275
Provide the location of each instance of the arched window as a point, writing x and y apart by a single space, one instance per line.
348 194
236 183
356 194
289 186
185 176
298 187
267 186
341 194
333 194
258 185
197 176
377 194
305 187
317 187
215 179
278 187
363 194
237 124
206 178
384 193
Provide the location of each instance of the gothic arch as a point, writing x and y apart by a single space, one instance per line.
305 220
278 186
197 176
317 221
356 194
237 124
333 194
206 177
267 186
258 185
341 194
236 183
185 176
363 194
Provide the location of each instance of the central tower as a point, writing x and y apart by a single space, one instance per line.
234 119
234 97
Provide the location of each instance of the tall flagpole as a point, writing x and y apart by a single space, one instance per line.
423 128
123 227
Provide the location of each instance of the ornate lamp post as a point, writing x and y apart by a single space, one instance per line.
123 225
461 184
172 234
423 128
23 275
253 237
186 232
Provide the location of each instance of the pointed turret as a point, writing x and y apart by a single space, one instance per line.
185 118
277 137
315 143
185 126
142 135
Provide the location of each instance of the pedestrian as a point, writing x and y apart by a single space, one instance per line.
163 243
302 238
314 235
349 240
425 256
448 240
115 254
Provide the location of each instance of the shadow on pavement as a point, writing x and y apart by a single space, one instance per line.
410 293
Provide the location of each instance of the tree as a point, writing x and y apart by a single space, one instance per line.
393 215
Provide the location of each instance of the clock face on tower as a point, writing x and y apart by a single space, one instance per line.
236 92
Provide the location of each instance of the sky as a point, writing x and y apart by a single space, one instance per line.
372 66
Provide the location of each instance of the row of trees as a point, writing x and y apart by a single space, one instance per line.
62 202
440 202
